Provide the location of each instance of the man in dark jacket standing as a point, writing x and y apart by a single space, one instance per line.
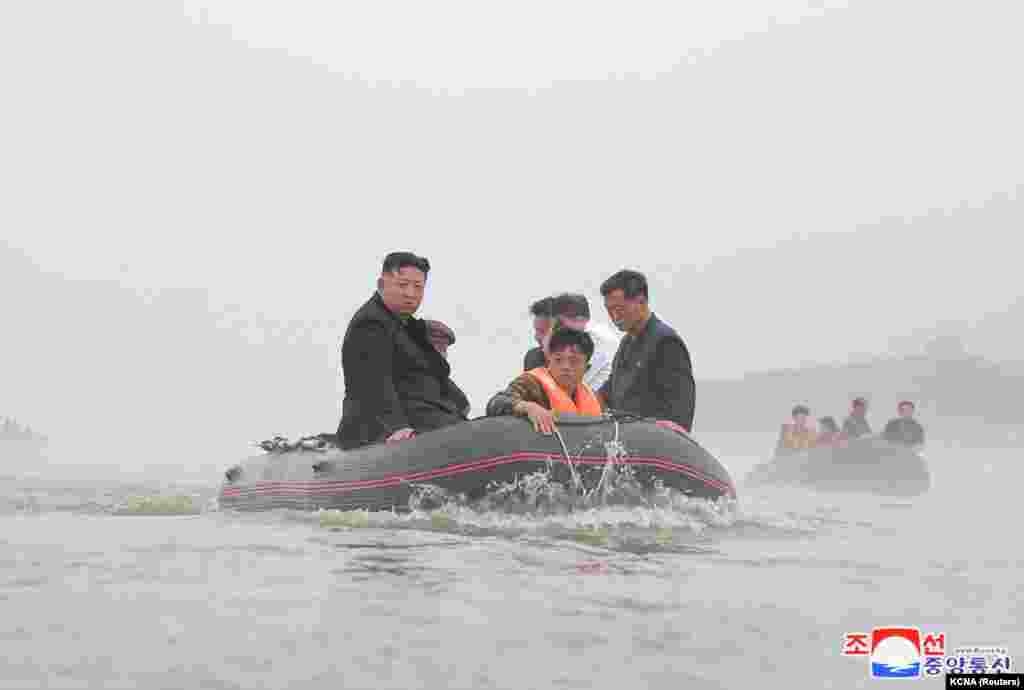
396 381
652 375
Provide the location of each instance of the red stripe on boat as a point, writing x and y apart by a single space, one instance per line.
344 486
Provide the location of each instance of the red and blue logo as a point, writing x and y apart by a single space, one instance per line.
895 653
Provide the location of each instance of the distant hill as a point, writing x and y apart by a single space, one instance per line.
963 387
11 430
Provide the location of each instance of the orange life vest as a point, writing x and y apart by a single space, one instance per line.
797 439
586 403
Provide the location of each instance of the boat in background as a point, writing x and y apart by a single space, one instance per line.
869 464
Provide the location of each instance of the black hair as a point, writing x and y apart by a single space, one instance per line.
905 402
829 424
572 306
542 308
396 261
632 283
563 338
800 409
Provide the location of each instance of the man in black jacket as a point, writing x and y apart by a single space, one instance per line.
396 381
904 428
652 375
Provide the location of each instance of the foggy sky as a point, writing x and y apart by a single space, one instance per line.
191 220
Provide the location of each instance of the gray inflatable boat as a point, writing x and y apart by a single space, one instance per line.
864 465
470 458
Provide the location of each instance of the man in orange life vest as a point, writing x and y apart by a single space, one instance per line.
543 392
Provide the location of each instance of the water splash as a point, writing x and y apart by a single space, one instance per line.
609 506
618 510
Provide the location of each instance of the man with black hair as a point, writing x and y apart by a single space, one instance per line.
542 324
652 375
558 387
573 311
397 383
856 423
904 428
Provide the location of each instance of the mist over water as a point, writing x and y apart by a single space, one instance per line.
192 210
792 197
716 596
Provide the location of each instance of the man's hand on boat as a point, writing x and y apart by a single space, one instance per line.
543 419
402 435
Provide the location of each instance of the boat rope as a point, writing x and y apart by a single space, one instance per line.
568 459
613 451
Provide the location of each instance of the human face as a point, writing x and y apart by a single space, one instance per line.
402 291
906 410
859 409
541 329
800 420
625 313
567 367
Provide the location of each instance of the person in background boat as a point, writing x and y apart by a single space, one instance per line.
797 435
856 424
558 387
573 311
652 375
440 335
829 433
542 324
396 382
904 428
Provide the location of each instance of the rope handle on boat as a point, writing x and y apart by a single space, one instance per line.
568 459
612 450
619 416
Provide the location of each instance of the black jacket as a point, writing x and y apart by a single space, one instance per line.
855 426
652 376
394 378
906 431
534 358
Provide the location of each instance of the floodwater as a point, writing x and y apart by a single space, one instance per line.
758 594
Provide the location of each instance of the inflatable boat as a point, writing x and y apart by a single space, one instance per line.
868 464
471 458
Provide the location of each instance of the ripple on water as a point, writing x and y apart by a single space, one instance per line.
576 641
26 582
634 530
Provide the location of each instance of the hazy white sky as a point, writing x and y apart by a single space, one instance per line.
459 44
204 214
